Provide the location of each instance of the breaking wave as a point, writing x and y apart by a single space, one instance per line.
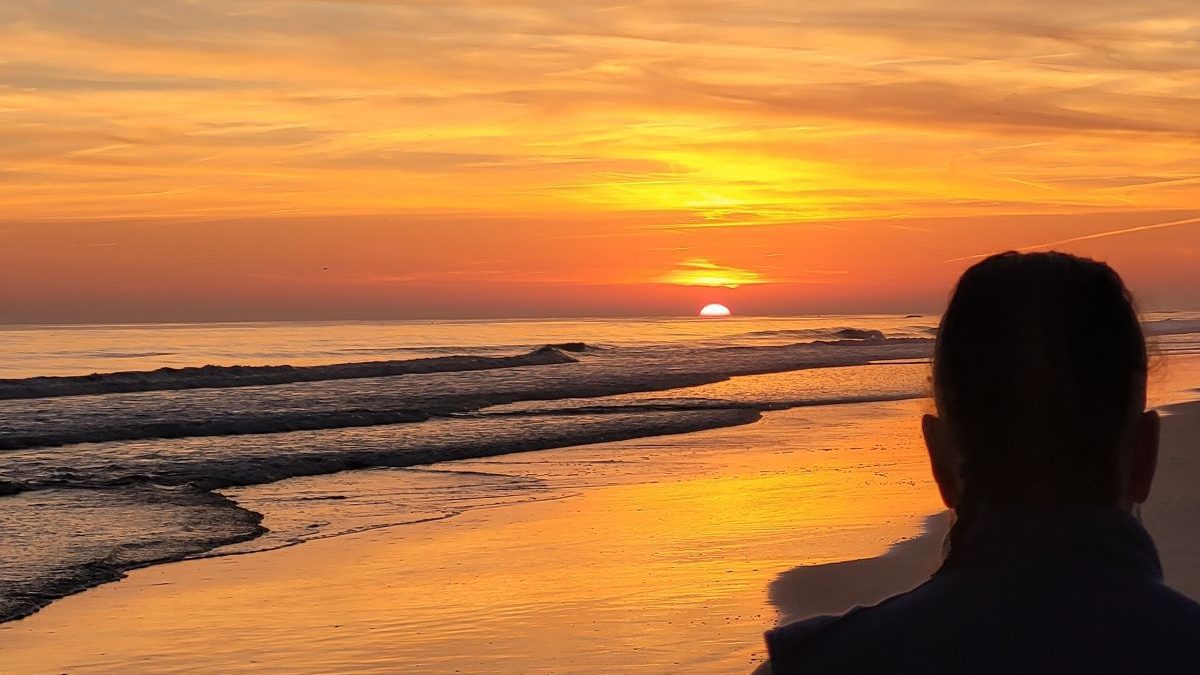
104 473
130 461
422 392
818 334
205 377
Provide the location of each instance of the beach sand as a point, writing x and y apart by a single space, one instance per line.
672 554
650 556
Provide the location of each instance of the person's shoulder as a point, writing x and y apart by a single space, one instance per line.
787 643
820 639
1152 605
1180 607
794 637
930 622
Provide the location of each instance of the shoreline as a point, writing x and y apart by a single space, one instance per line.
366 579
666 546
95 573
502 430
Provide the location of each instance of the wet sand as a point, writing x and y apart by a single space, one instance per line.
1172 513
665 555
657 558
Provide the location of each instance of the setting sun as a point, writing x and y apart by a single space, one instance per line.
414 285
715 310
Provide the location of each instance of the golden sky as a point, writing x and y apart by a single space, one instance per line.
241 159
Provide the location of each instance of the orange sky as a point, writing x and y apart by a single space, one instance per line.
254 159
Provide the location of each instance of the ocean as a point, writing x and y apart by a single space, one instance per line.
127 446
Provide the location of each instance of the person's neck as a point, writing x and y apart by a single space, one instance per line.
983 535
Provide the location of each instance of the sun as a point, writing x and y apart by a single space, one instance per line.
715 310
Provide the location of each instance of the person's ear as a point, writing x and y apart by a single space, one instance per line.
1145 456
943 460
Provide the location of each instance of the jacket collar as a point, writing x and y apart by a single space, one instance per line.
1107 536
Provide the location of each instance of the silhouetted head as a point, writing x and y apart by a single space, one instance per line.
1039 376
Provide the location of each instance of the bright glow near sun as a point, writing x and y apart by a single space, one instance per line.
704 272
715 310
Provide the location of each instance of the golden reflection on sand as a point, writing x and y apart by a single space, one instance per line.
661 570
649 556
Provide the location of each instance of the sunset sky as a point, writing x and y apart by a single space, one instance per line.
251 159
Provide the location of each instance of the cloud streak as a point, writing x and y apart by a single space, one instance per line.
586 143
720 112
704 272
1088 237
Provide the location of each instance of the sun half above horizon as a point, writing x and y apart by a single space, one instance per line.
715 310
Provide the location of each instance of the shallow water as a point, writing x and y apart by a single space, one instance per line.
644 556
30 351
154 454
225 434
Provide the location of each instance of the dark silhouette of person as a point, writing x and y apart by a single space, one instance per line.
1043 448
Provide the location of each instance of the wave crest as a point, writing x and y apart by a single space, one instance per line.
818 334
219 377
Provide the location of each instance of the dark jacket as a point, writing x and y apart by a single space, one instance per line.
1030 593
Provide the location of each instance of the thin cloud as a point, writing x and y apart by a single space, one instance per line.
1087 237
704 272
714 113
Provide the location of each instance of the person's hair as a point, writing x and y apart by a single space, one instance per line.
1039 373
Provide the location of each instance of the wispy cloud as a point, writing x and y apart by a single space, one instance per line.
704 272
722 113
1088 237
586 143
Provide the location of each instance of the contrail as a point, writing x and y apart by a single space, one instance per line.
1087 237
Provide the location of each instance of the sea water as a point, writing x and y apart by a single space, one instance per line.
124 446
